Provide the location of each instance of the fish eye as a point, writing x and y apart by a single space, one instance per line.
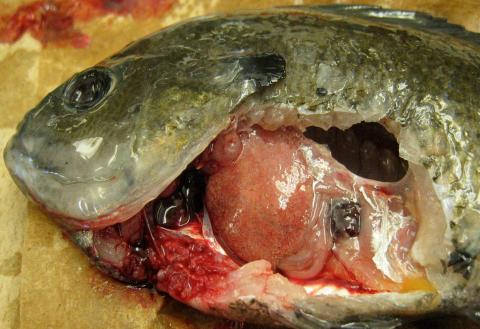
87 89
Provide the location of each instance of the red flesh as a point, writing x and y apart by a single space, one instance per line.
187 267
53 21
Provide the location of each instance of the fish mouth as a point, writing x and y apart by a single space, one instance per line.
46 187
332 211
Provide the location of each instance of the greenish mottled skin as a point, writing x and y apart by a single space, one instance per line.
174 91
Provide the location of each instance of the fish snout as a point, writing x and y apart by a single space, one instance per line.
66 180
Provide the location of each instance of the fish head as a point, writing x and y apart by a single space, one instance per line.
93 143
112 137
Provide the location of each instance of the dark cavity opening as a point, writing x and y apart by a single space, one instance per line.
367 149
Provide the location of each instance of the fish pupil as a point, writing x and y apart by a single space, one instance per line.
87 89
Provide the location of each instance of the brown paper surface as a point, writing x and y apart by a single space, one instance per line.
45 281
13 210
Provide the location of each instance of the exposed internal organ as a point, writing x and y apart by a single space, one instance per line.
186 266
118 249
261 204
286 200
264 213
147 252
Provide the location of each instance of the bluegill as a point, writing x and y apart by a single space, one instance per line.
305 166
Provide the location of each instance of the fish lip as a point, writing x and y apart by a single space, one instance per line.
61 179
26 176
98 223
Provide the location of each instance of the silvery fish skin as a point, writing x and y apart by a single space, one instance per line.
157 104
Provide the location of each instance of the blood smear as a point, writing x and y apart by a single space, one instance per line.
51 21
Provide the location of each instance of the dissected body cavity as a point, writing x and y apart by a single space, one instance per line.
286 200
